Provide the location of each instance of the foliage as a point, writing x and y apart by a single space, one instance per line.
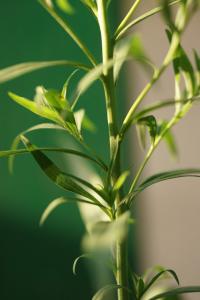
113 196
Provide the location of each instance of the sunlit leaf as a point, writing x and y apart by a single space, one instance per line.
15 71
120 181
177 291
49 113
65 6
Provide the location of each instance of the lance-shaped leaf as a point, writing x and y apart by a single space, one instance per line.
150 123
102 293
60 178
177 291
120 182
197 62
49 113
167 176
18 70
65 6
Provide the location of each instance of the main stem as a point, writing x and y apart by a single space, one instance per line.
109 89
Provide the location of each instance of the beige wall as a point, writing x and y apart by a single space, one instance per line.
168 218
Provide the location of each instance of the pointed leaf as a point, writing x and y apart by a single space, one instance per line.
150 123
15 71
120 181
169 139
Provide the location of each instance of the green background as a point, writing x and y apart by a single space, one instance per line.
36 263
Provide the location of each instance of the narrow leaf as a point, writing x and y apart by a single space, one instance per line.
76 261
65 6
15 71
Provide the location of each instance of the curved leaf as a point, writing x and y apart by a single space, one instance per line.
157 276
178 291
100 295
57 202
63 180
76 261
15 71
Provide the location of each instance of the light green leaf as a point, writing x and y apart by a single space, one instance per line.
65 6
49 113
177 291
76 261
15 71
120 181
101 294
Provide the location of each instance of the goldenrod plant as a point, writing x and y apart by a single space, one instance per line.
111 190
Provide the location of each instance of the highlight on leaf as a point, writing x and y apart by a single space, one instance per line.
65 6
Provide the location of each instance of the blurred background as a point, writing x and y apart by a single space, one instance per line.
36 263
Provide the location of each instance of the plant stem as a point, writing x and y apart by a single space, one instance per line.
127 17
109 89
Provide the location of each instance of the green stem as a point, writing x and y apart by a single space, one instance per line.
69 31
127 17
109 89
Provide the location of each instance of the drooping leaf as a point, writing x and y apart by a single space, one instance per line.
159 275
60 178
101 294
177 291
150 123
57 202
76 261
65 6
15 71
197 62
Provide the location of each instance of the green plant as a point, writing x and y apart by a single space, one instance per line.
112 195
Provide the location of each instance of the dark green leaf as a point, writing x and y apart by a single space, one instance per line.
178 291
150 123
63 180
